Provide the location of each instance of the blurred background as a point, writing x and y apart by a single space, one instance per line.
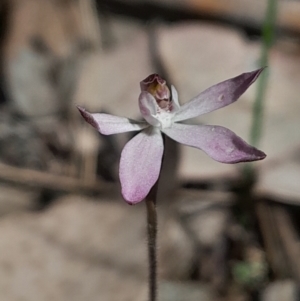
226 232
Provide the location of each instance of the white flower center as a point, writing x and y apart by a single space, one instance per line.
165 118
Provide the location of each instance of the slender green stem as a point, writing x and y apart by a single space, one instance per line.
268 33
152 237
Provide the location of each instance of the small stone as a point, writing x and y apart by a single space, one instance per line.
286 290
76 250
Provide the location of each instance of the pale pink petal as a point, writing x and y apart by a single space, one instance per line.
217 96
148 108
218 142
109 124
140 164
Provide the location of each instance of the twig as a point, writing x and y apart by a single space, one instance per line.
40 179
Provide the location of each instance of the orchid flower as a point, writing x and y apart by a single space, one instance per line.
141 157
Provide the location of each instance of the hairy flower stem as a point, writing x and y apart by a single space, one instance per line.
152 236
